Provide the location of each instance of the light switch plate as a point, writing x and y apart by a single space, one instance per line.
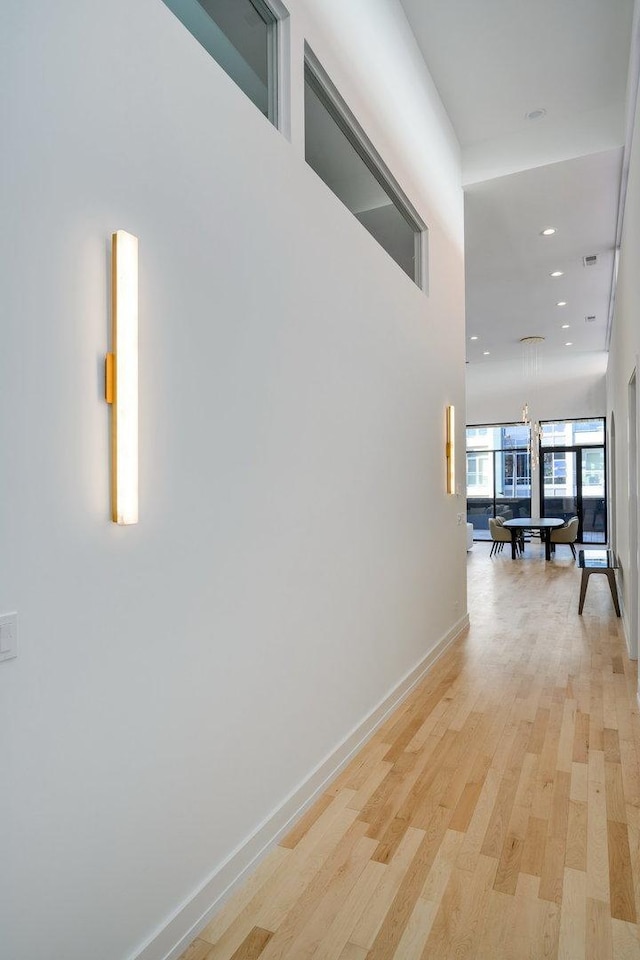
8 636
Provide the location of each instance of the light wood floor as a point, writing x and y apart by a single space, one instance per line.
495 816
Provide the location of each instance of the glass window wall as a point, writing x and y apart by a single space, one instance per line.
573 482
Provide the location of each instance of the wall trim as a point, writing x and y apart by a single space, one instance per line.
633 84
626 627
626 633
193 914
624 620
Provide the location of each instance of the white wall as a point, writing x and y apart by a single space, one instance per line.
296 555
624 358
564 388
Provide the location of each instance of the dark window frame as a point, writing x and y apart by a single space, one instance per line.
577 449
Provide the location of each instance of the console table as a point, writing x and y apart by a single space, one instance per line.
598 561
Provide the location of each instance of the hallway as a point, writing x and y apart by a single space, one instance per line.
495 815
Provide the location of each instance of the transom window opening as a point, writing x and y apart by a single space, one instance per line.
241 36
338 150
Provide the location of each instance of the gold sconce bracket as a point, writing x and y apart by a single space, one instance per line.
109 377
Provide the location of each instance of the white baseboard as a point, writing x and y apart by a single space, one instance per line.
191 916
626 626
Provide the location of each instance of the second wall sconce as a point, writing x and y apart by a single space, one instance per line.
451 449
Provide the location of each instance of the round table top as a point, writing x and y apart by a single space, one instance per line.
535 523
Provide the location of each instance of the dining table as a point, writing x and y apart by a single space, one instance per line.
544 524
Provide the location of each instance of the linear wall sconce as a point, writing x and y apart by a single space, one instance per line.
121 378
451 449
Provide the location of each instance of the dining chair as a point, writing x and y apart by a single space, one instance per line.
520 534
499 535
567 534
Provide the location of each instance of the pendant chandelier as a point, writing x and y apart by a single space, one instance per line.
530 376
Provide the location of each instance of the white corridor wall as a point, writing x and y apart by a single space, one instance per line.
624 359
296 554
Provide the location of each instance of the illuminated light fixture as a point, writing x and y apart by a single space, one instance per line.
473 338
530 376
486 353
565 326
121 378
548 232
561 303
569 344
451 449
557 273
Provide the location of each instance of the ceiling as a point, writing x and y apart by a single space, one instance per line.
494 62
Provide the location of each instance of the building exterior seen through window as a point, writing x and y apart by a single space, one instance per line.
559 469
498 474
241 36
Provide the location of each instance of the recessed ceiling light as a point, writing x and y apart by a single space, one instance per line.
565 326
536 114
557 273
548 232
561 303
569 344
487 353
473 338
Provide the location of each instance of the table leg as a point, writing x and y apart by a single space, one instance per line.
611 577
547 544
514 537
583 589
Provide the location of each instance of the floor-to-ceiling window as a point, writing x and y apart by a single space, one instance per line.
498 474
573 476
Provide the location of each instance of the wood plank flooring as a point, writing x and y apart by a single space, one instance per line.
495 816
